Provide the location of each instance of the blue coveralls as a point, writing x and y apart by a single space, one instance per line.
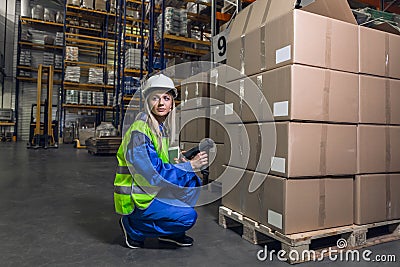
167 215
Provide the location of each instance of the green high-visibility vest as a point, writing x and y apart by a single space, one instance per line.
132 189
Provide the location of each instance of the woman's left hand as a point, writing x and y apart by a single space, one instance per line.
181 158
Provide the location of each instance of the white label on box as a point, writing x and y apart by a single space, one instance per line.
281 108
278 164
229 109
283 54
275 218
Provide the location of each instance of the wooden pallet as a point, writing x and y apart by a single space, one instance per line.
355 236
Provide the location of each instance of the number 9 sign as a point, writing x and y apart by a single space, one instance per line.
219 44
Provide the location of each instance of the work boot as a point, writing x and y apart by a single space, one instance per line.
182 241
128 241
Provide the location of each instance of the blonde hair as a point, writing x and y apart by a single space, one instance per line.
169 124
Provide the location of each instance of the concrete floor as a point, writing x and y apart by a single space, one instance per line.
56 209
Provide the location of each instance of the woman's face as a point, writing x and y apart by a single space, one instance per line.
160 103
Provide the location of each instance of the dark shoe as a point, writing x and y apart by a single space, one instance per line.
182 241
129 242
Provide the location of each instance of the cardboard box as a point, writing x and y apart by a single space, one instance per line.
298 92
311 149
233 189
302 149
379 53
244 102
379 100
378 149
325 202
239 199
195 92
194 125
377 198
264 45
252 146
235 50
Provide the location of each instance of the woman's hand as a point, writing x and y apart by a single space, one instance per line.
199 161
181 158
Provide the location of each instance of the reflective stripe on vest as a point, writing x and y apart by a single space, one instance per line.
123 170
126 190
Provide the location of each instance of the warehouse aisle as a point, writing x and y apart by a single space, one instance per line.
56 208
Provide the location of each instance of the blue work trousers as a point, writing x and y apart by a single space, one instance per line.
164 216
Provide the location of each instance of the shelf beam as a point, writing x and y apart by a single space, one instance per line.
26 20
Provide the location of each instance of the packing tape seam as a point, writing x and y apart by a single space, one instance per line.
323 149
388 198
387 48
322 202
262 36
260 193
388 108
326 96
388 153
262 49
328 44
243 45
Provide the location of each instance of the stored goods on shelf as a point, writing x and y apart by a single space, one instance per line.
96 75
110 99
87 4
26 35
59 39
85 98
74 2
72 97
106 129
48 58
132 58
131 85
48 15
48 39
38 12
98 98
100 5
25 58
71 53
58 61
72 73
25 8
111 77
59 17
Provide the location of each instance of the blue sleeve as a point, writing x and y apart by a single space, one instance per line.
142 155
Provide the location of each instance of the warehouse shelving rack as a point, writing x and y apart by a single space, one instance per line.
144 38
94 43
34 23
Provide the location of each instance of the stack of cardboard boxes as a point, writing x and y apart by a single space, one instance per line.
377 194
313 69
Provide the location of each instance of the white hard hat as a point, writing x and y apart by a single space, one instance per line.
159 81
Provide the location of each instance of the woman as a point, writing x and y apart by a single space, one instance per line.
155 197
